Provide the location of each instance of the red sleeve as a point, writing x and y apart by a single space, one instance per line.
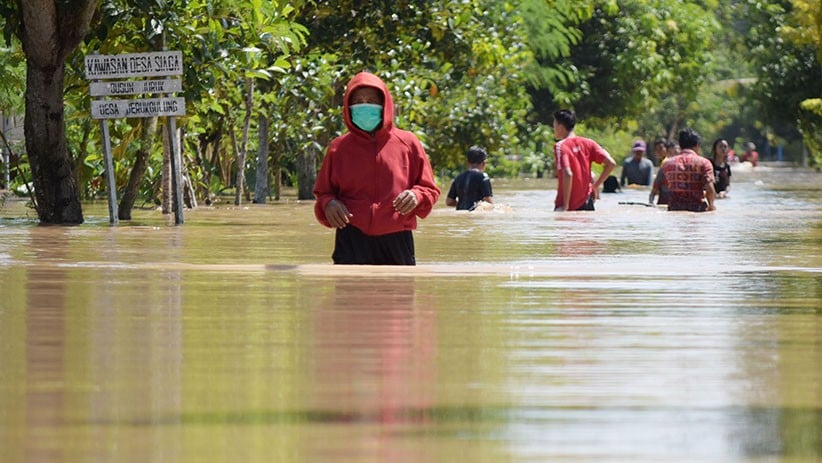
324 191
424 185
561 160
598 153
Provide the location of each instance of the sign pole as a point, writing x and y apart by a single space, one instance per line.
111 184
107 73
176 176
113 218
176 162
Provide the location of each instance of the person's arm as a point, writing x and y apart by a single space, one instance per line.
424 192
337 214
488 195
608 166
567 178
623 176
650 179
710 191
710 196
451 197
656 185
328 210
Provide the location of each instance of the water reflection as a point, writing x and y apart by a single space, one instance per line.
45 347
373 364
629 334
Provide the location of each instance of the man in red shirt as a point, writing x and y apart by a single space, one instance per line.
574 156
689 176
374 182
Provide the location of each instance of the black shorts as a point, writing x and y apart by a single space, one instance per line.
684 206
352 246
588 206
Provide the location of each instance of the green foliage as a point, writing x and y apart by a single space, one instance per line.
641 53
11 20
616 62
551 30
454 68
12 78
12 91
788 72
462 72
224 43
810 124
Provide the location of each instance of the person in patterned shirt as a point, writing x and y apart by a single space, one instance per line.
689 176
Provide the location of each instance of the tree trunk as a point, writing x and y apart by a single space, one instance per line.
261 185
80 156
306 174
241 153
138 172
278 170
50 31
55 190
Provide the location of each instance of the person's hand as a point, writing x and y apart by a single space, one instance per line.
405 202
337 214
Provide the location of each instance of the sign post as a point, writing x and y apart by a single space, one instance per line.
100 68
113 213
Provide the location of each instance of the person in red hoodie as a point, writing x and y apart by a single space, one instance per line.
375 180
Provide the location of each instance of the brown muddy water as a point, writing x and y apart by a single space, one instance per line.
629 334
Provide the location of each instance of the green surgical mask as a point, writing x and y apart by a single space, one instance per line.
366 116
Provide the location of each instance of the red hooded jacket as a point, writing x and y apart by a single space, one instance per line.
367 172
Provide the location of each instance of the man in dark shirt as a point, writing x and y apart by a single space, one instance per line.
637 170
473 185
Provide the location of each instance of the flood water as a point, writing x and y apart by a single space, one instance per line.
629 334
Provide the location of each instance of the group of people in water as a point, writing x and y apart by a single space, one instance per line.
685 180
376 179
638 169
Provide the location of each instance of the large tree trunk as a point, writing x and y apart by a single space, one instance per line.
138 172
55 190
49 32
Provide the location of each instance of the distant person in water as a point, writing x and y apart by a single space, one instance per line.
472 185
374 182
611 185
659 187
671 149
750 154
689 176
659 152
576 190
722 168
637 169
